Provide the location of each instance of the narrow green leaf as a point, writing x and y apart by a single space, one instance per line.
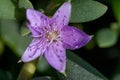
1 47
24 30
106 37
86 10
9 30
78 69
116 8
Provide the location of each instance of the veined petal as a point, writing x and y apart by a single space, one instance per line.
34 50
74 38
62 15
56 57
36 32
36 19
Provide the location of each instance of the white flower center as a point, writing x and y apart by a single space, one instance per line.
52 36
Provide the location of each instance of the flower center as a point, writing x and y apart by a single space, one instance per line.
52 36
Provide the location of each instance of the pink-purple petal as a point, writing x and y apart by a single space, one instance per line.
36 32
33 51
62 16
74 38
36 18
56 57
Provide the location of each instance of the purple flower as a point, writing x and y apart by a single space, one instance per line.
52 36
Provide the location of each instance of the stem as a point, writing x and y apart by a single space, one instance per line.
27 70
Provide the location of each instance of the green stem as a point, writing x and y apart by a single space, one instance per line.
27 70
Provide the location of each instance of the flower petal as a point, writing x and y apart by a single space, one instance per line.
36 32
74 38
36 19
34 50
62 15
38 22
56 57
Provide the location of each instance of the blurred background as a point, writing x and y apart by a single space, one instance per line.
103 51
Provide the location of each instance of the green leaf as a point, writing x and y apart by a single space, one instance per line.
25 4
115 26
24 30
4 75
1 47
116 8
14 10
78 69
106 37
90 45
44 78
9 30
45 69
86 10
22 6
7 9
42 65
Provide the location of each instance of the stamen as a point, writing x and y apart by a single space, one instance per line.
52 36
